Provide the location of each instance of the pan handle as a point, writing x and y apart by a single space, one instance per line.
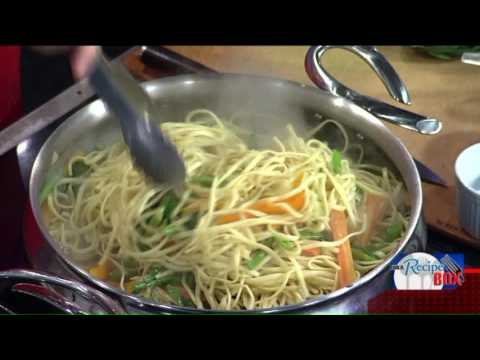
388 75
26 282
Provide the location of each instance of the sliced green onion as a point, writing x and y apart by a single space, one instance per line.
256 259
336 161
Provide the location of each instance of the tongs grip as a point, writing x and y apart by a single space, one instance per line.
388 75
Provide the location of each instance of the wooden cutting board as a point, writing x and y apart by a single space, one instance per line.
446 90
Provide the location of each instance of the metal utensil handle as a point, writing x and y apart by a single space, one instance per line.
396 88
109 305
44 115
112 92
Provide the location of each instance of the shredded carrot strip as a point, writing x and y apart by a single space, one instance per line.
339 226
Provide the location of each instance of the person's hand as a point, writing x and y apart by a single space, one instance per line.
81 60
81 57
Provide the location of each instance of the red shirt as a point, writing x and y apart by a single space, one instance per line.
12 194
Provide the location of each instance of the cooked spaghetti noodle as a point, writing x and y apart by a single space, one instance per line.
253 228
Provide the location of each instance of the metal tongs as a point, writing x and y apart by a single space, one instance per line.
395 86
139 119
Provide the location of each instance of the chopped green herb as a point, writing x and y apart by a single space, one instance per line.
393 232
256 259
336 161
